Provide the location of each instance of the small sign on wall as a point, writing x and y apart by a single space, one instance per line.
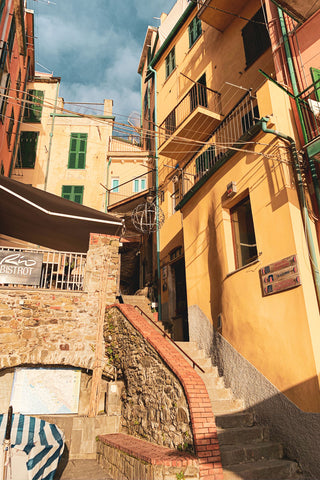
280 276
20 268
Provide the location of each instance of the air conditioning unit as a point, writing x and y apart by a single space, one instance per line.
175 179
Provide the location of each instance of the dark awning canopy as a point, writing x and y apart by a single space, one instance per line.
45 219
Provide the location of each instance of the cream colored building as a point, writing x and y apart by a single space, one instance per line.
67 153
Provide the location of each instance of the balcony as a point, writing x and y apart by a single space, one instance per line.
191 122
234 131
219 13
309 101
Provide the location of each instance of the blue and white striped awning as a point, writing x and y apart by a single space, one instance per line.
36 447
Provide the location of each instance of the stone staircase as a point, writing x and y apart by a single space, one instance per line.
145 304
246 450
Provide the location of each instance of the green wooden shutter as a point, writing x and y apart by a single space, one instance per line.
77 150
315 74
28 148
73 193
33 110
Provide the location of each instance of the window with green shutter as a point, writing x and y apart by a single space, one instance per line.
170 62
315 74
195 30
10 128
34 104
2 4
77 150
27 150
73 193
255 37
11 36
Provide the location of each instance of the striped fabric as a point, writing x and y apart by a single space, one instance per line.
41 442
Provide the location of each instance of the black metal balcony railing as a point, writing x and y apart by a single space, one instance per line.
198 96
60 270
230 133
309 101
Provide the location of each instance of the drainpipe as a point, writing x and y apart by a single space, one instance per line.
302 201
296 92
107 183
51 135
157 189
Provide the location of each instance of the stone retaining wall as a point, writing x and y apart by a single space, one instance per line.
149 360
128 458
154 406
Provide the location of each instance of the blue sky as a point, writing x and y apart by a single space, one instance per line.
95 47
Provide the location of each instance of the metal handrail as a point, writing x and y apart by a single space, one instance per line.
194 364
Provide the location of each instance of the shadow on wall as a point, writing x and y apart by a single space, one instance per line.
298 431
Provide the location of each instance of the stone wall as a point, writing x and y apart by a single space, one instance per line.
58 327
154 406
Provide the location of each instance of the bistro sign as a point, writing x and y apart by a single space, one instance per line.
20 268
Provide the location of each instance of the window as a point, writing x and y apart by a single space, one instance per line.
33 110
250 119
315 74
198 93
10 128
205 161
139 184
170 62
19 84
244 238
2 4
28 149
73 193
255 38
115 185
77 150
195 31
5 88
11 36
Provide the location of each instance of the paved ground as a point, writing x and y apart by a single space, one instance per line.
82 470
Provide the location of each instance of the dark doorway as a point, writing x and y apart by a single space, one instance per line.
181 328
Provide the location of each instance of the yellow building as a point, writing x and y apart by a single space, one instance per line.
67 153
237 250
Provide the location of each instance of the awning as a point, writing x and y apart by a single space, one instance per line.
45 219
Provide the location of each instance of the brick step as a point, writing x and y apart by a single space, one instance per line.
235 420
244 453
231 436
263 470
220 407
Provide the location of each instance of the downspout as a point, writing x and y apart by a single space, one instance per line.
157 189
302 201
296 92
51 135
107 183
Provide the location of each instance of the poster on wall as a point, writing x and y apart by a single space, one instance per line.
45 391
280 276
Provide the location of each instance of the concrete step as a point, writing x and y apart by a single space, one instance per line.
227 406
81 470
241 435
263 470
235 420
219 393
235 454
